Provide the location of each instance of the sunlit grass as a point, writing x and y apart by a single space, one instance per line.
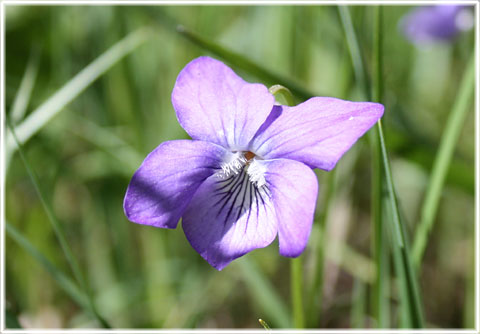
86 115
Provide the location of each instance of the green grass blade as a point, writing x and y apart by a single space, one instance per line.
410 295
63 281
357 312
245 64
75 267
354 50
405 270
44 113
22 98
380 290
107 141
265 295
404 314
449 139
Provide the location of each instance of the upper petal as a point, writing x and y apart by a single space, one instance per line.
294 189
214 104
317 132
164 184
229 218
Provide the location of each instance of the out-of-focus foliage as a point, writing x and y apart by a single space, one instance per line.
146 277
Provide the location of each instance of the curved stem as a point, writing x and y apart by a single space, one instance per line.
285 92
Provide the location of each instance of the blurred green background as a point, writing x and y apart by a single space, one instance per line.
143 277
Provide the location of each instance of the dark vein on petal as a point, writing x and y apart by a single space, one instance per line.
229 194
256 200
232 184
249 205
243 199
235 199
230 181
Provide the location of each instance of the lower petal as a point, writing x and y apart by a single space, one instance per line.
228 218
163 186
294 188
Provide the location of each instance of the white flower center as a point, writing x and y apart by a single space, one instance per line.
232 164
236 162
256 173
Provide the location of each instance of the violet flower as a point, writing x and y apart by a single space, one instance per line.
247 175
429 24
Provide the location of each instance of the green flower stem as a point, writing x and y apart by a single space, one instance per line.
316 292
443 159
285 92
296 278
296 290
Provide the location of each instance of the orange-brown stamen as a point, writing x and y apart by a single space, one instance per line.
249 155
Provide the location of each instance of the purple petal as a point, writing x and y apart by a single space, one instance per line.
163 186
214 104
317 132
294 188
432 23
229 218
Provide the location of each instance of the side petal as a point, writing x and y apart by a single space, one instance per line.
214 104
317 132
166 181
294 189
229 218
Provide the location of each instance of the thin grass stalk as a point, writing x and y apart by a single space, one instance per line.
354 50
443 159
275 310
296 281
404 319
22 98
409 286
62 279
74 265
357 312
316 291
410 293
380 290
